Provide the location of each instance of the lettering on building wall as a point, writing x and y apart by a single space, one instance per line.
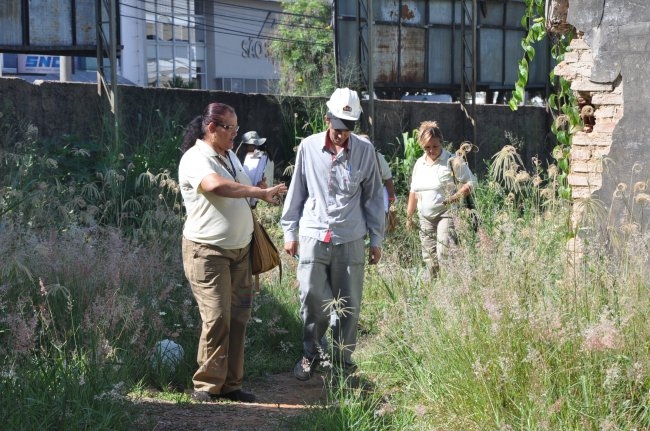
254 48
38 63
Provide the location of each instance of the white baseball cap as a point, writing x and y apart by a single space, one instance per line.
344 104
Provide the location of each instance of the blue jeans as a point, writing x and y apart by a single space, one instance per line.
330 274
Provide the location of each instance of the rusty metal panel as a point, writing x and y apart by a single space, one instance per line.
63 27
10 26
413 55
85 21
418 44
409 66
406 11
49 22
385 54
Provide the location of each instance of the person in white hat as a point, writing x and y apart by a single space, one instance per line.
257 163
334 201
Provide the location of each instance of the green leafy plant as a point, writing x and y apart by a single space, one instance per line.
402 167
304 48
563 103
533 20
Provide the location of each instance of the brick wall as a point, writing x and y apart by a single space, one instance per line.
601 107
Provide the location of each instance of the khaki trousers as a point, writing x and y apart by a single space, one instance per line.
221 282
436 235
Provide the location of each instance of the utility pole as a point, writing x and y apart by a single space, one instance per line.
371 76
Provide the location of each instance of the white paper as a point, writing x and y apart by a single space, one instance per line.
254 165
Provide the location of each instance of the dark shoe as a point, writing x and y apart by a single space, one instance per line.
203 396
239 396
304 368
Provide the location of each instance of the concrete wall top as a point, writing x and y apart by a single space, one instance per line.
59 109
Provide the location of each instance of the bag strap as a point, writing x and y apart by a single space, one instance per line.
450 165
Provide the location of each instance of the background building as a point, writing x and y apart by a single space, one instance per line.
206 44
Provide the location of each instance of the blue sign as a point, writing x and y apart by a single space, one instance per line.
34 63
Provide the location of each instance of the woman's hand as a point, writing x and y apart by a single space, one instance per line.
410 224
272 194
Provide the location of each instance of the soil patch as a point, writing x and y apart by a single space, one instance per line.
279 397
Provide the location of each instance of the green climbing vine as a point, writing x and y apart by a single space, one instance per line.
562 102
533 20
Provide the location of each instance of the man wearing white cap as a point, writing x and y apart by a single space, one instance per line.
335 199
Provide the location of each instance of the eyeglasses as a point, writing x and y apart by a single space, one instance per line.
229 127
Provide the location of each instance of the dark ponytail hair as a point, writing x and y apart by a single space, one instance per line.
213 113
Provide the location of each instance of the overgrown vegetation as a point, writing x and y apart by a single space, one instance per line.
304 48
517 333
562 103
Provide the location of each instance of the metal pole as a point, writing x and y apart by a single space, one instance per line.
474 67
113 36
371 77
65 68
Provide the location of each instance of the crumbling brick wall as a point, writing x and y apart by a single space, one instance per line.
601 107
607 65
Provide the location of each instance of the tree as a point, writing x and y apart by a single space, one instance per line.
303 48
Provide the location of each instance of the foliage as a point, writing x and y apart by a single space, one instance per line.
57 184
402 167
563 103
567 119
179 82
516 333
304 48
533 21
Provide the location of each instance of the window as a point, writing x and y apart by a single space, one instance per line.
175 43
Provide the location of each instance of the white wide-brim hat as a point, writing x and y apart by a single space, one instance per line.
252 138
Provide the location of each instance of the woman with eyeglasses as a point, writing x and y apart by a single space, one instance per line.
439 180
216 243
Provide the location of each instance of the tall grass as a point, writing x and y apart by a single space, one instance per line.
519 332
91 279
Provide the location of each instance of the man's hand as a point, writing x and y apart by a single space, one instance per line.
291 248
374 254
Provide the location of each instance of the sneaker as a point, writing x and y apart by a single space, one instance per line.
239 395
203 396
304 368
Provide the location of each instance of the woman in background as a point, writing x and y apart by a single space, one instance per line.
435 187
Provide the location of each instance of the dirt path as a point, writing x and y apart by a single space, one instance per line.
279 397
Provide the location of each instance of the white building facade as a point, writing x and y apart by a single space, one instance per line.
203 44
207 44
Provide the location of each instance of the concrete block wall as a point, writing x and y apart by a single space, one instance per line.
59 109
